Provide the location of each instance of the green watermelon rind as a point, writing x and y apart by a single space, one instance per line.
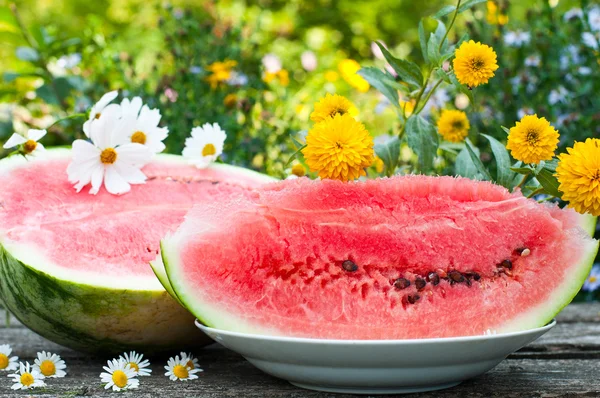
87 316
536 317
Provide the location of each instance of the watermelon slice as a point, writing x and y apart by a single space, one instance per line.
74 267
400 258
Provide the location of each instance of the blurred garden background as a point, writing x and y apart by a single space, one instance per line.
257 68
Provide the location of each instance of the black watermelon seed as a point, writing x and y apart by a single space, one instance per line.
433 278
420 283
475 275
520 250
413 298
456 276
349 266
401 283
506 264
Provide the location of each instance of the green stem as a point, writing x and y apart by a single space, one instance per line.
74 116
525 177
450 26
429 94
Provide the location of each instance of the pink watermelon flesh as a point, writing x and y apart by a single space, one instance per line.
326 259
108 235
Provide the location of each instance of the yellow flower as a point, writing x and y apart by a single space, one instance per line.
532 140
339 148
348 69
453 125
331 76
298 170
332 105
474 63
230 100
494 16
282 76
378 164
578 173
408 107
220 72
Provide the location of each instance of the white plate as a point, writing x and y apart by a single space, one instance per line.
375 366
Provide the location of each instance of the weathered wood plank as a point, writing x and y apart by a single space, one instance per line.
580 312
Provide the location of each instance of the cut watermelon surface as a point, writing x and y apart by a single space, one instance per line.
399 258
74 266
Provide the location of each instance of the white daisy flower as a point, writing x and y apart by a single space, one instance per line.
573 13
559 95
133 359
309 61
49 365
237 79
589 40
6 361
190 361
594 18
177 369
533 60
26 378
272 63
29 141
105 161
517 38
99 109
205 145
521 113
140 125
119 375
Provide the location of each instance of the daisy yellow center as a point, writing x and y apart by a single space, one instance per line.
3 361
30 146
181 372
119 378
97 115
477 64
190 364
533 137
108 156
48 368
27 379
298 170
592 279
134 366
139 137
208 150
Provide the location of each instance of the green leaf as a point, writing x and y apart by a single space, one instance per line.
378 79
406 70
504 175
477 161
433 52
551 165
549 182
389 154
423 40
422 138
444 11
465 167
440 33
294 155
507 131
468 4
27 54
522 170
443 75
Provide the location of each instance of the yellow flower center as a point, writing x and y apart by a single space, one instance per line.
190 364
119 378
181 372
48 368
134 366
596 175
29 146
108 156
97 115
338 111
592 279
298 170
138 137
533 137
3 361
27 379
477 64
209 149
458 125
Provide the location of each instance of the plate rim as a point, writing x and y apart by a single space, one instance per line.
308 340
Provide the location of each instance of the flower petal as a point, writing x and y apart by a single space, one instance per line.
14 140
36 135
114 182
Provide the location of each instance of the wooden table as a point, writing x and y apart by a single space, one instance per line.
565 362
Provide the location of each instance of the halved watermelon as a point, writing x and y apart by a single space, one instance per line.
74 267
399 258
